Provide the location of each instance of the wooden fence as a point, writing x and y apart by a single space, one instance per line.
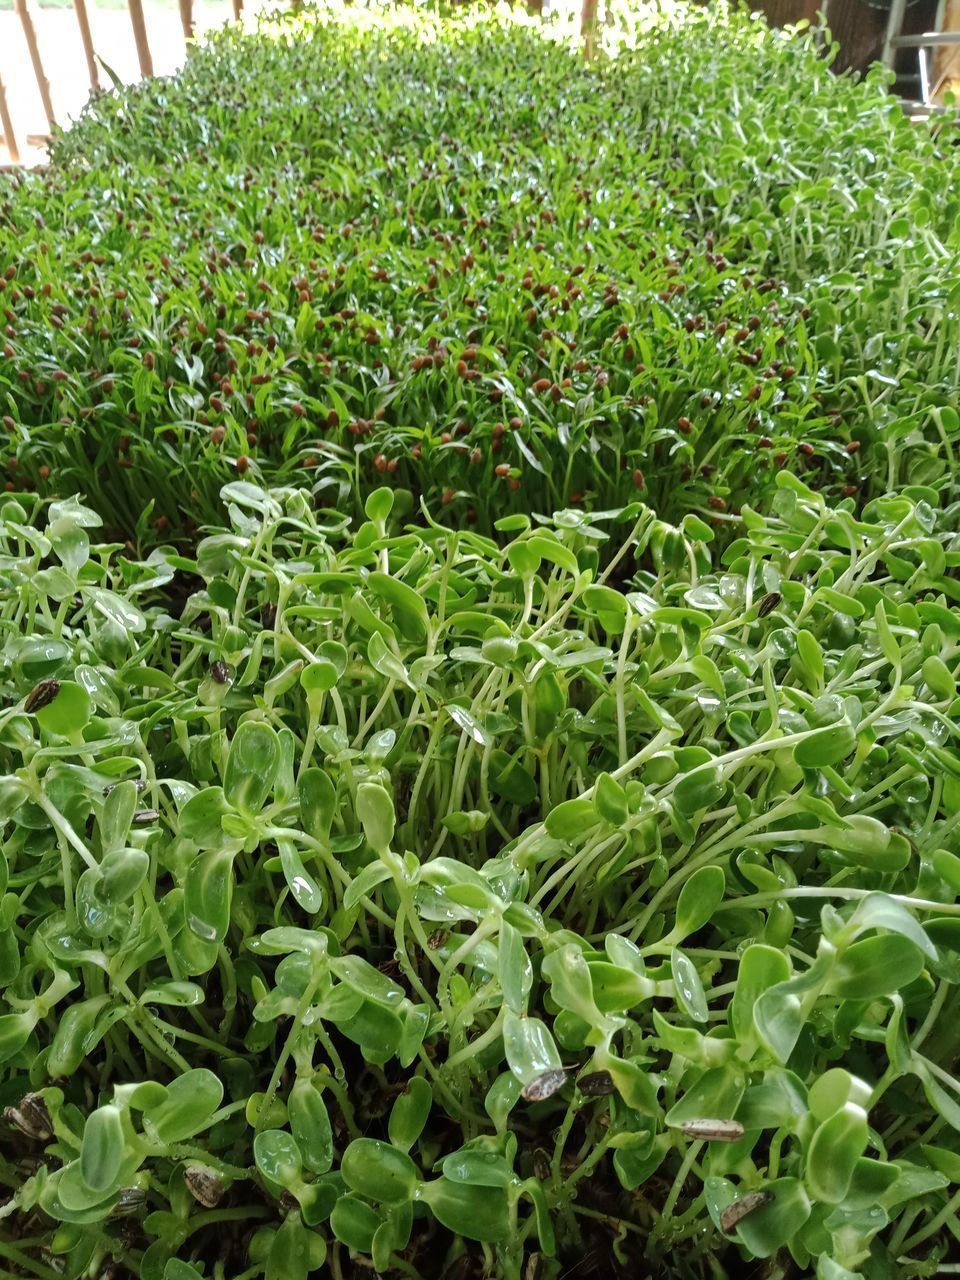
25 13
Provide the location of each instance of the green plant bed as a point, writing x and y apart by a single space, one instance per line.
392 893
479 636
447 251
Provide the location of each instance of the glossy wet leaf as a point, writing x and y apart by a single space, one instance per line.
379 1171
310 1126
69 712
835 1147
474 1212
529 1047
699 898
208 893
771 1224
278 1157
252 765
688 987
101 1151
409 1113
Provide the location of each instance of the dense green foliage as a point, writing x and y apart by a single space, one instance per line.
546 865
449 267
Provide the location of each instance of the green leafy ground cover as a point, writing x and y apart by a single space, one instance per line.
518 849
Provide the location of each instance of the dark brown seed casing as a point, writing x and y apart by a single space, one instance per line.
41 695
31 1117
204 1185
143 817
769 603
597 1085
138 783
747 1204
131 1200
220 672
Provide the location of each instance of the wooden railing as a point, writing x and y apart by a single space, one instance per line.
24 11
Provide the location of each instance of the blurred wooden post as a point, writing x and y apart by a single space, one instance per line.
140 37
83 22
535 8
26 21
186 18
9 137
588 27
946 60
237 10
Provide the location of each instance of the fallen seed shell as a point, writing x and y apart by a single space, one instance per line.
131 1199
769 603
545 1086
204 1185
714 1130
740 1209
41 695
137 782
596 1085
30 1117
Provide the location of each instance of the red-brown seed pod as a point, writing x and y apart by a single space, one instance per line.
805 447
217 435
380 462
684 425
780 459
502 469
716 502
44 472
243 462
476 457
448 496
853 446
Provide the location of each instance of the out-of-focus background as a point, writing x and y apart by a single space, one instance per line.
61 51
859 26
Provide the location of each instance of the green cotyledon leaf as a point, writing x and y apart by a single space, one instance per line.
252 764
